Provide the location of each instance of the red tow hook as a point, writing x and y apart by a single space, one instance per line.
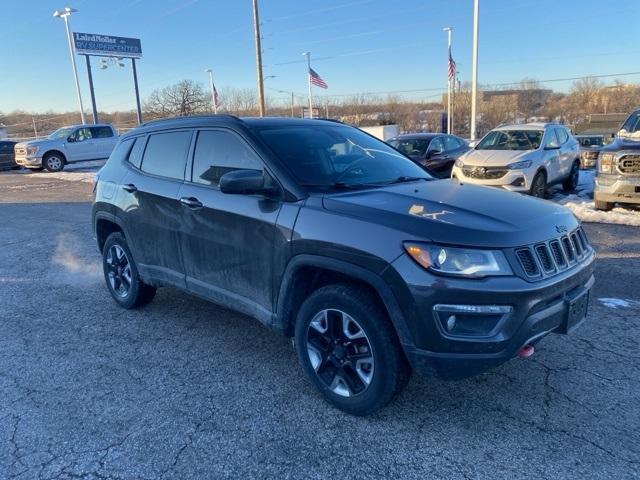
526 351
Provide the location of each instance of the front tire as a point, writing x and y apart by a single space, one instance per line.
349 349
571 182
53 162
121 274
539 185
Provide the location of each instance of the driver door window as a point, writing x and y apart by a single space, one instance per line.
218 152
81 147
436 147
550 139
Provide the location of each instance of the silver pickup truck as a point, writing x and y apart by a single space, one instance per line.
618 173
76 143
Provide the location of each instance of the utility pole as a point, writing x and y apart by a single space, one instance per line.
449 109
293 113
256 26
64 14
213 91
35 130
474 70
308 55
94 109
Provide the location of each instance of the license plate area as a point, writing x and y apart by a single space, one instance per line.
577 306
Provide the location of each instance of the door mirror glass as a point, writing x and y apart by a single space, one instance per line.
553 145
244 182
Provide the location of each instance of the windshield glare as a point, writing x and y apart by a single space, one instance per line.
61 133
414 146
511 140
326 155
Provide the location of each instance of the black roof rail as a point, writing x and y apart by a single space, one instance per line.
189 117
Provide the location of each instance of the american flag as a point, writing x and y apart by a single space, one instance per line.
317 79
451 66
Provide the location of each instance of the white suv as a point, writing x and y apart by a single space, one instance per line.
522 158
76 143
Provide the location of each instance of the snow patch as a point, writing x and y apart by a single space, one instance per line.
617 302
88 177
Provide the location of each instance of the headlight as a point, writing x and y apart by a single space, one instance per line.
464 262
605 162
32 150
459 163
519 165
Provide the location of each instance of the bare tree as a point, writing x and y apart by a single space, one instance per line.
181 99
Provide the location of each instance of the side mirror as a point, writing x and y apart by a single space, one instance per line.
245 182
552 146
71 139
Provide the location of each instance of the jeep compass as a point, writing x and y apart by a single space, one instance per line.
334 238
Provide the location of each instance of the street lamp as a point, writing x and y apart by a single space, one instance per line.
64 14
214 100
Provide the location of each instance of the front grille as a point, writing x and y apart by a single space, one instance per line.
484 173
629 164
548 258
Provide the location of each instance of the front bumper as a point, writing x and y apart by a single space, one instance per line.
514 180
617 188
29 161
537 309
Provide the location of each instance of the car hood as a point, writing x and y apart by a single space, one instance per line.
447 212
495 158
622 143
36 143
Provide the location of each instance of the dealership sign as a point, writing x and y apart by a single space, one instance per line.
106 45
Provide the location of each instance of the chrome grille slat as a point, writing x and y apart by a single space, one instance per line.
629 164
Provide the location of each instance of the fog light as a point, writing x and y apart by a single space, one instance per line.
470 320
451 323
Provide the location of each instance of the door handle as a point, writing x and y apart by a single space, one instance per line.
130 187
191 202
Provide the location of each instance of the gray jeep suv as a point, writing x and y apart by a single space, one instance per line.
334 238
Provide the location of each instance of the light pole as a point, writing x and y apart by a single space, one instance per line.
64 14
449 122
474 70
256 28
120 63
214 101
308 55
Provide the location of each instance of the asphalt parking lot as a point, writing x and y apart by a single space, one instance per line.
184 389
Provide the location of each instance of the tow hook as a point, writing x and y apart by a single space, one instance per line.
526 351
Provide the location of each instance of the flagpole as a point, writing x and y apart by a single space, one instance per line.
308 55
213 91
448 30
474 70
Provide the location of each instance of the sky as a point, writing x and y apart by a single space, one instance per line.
357 46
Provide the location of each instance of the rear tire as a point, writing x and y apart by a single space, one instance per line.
571 182
600 205
121 274
53 162
349 349
539 185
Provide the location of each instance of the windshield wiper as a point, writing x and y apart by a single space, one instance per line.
406 179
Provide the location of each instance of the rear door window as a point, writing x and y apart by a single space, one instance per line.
450 143
101 132
166 154
218 152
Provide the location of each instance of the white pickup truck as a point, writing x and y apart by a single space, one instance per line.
76 143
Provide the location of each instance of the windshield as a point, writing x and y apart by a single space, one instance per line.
337 155
61 133
412 146
631 125
511 140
